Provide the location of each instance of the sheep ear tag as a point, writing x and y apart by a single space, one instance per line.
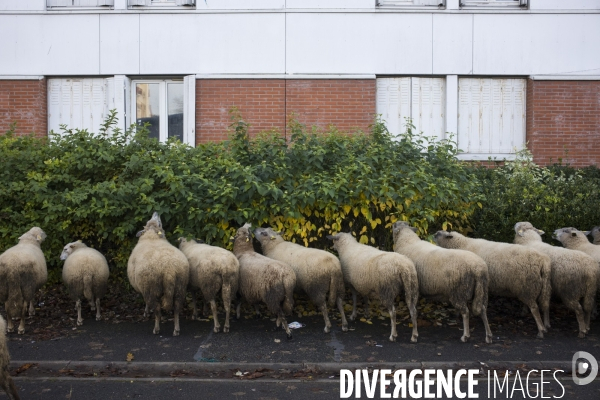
540 232
520 232
38 237
273 237
587 233
247 239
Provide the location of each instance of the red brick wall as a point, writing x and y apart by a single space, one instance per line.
26 103
267 104
563 122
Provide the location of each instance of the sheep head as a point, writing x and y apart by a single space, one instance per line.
569 235
595 232
244 233
522 227
444 239
265 235
70 248
340 239
36 234
153 226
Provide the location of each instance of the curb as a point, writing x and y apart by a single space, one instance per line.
84 369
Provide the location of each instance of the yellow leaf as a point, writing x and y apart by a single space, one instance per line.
130 357
369 322
347 209
363 320
407 202
356 211
444 226
363 230
364 211
364 239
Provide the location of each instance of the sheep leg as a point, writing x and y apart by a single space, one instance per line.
353 315
412 310
323 309
340 306
93 304
486 325
9 321
31 309
213 307
176 323
146 311
8 385
576 307
156 320
281 318
538 319
78 307
464 311
21 329
366 307
238 309
98 316
194 308
546 314
226 294
394 334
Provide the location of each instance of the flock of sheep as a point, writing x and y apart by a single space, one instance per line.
459 270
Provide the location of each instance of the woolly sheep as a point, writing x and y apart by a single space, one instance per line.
595 234
317 271
264 279
212 269
159 271
380 274
573 276
575 239
6 382
22 272
85 274
457 276
514 271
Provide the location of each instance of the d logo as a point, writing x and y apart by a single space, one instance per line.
583 363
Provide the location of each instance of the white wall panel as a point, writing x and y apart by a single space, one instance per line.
239 4
23 5
119 44
452 44
49 44
356 43
367 4
564 4
212 43
536 44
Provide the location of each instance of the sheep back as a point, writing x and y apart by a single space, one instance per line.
317 271
85 273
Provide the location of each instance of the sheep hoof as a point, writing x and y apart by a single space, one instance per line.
216 329
175 332
464 339
226 329
392 338
327 329
413 339
289 336
22 331
352 317
10 330
580 336
194 318
98 318
79 322
156 331
344 328
488 339
31 312
540 335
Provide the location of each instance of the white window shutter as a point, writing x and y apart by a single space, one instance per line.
139 2
189 110
185 2
117 97
428 104
54 104
106 2
59 3
85 3
404 111
387 103
466 115
429 2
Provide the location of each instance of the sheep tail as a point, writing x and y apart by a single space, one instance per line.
546 293
289 284
481 292
336 287
169 281
88 286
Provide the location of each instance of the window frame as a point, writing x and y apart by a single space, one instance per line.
501 4
62 4
410 3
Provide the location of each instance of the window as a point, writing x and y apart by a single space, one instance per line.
79 3
491 117
164 3
79 103
167 106
421 99
437 3
494 3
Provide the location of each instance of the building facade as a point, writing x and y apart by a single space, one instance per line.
498 75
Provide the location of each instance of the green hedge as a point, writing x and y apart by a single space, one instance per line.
102 188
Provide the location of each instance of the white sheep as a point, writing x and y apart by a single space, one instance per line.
6 381
85 273
457 276
263 279
573 277
212 270
379 274
317 271
22 272
159 271
595 234
575 239
514 271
